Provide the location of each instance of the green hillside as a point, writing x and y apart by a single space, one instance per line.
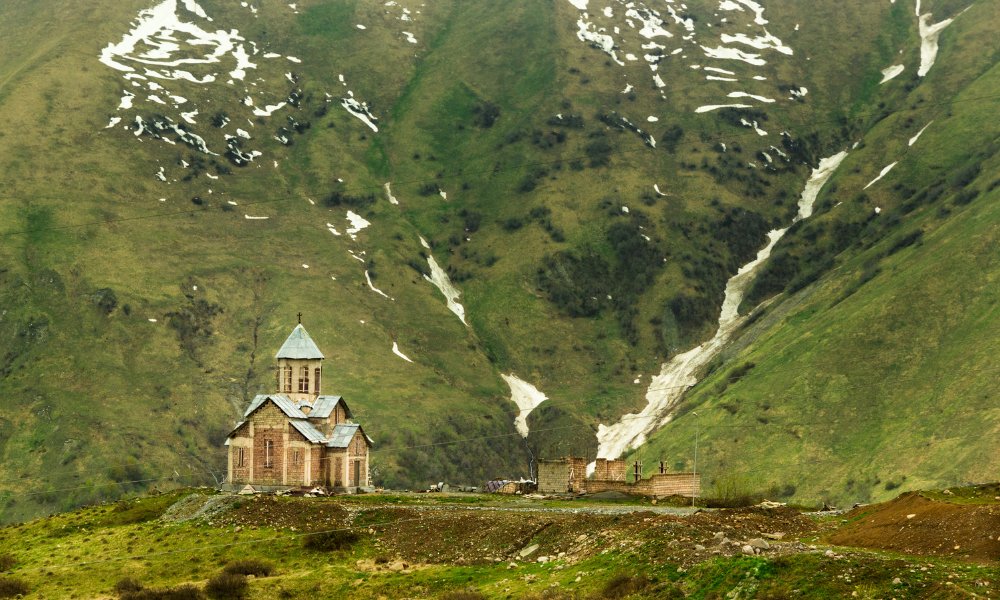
144 293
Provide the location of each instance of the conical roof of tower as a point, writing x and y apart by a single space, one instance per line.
299 345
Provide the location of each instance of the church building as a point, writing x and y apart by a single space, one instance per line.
296 436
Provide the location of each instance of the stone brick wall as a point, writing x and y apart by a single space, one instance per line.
610 470
267 465
660 484
578 474
317 467
358 458
240 473
295 467
554 476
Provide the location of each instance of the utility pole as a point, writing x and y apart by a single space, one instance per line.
694 476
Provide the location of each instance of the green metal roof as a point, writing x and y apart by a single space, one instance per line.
299 346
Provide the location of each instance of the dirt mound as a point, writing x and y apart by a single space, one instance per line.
755 521
917 525
197 506
286 513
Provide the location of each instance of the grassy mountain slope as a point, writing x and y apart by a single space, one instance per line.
526 131
879 376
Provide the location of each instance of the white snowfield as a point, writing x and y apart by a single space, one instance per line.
709 107
359 110
368 279
439 278
527 398
395 350
929 34
891 72
882 174
176 43
357 224
659 25
679 374
913 140
388 193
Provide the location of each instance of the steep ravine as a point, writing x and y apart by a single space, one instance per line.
677 375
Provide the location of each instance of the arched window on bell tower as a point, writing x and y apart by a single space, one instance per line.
304 379
299 358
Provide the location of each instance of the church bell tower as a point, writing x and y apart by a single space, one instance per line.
300 367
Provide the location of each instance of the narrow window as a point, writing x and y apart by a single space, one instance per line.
304 380
316 383
240 457
288 378
268 454
277 379
296 460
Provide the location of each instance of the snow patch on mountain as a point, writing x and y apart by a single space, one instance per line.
371 286
357 224
388 193
678 375
439 278
176 43
891 72
913 140
929 34
527 398
881 174
396 351
711 107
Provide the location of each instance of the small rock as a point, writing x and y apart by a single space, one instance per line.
829 554
911 515
512 565
719 535
543 559
699 548
748 549
528 551
774 536
582 537
897 581
759 543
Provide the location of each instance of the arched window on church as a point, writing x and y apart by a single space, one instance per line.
316 383
288 379
304 380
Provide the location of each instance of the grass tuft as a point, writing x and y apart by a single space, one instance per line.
624 585
12 588
329 541
227 586
249 566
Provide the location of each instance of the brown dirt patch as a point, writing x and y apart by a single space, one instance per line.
917 525
286 513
